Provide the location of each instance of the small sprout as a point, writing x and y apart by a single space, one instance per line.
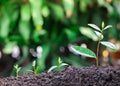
35 67
88 53
59 60
57 67
34 63
17 69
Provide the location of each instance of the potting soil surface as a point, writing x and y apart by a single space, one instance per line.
71 76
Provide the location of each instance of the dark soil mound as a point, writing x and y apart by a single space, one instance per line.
71 76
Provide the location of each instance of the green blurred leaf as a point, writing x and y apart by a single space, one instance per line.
13 19
37 34
36 8
45 11
68 5
101 2
57 11
25 12
88 32
83 51
4 26
83 5
24 29
109 45
70 34
9 47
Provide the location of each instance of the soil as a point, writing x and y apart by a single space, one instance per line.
71 76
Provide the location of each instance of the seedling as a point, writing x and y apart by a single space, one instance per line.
87 52
17 69
35 68
57 67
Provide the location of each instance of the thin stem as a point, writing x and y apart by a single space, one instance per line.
98 46
34 70
58 67
16 73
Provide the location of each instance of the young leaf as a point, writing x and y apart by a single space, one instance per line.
94 26
59 60
99 35
16 66
83 51
19 69
63 64
109 45
86 31
109 26
103 25
34 63
52 68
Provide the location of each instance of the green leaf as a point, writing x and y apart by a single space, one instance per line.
52 68
71 35
86 31
109 26
16 66
34 63
68 5
83 51
19 69
4 26
24 29
99 35
45 11
103 25
25 12
83 5
59 60
36 10
8 48
57 11
63 64
94 26
109 45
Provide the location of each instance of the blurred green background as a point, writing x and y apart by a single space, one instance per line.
43 30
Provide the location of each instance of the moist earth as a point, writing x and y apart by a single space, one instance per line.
71 76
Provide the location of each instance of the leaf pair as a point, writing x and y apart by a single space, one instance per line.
99 31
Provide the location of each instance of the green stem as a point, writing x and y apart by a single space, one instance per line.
98 46
16 73
34 70
58 67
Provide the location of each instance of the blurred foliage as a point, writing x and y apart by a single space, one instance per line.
52 25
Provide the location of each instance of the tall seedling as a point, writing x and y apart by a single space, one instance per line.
87 52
